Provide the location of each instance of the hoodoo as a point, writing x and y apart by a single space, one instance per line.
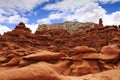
53 53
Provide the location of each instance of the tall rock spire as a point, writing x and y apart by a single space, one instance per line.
100 22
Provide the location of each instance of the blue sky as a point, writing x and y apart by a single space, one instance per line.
34 12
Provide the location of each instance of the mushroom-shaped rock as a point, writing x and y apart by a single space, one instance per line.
45 56
109 53
108 57
84 49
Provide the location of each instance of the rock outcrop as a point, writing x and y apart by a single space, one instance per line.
57 54
69 26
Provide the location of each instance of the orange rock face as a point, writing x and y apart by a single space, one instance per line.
56 54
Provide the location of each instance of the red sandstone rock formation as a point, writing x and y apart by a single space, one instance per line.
55 53
100 24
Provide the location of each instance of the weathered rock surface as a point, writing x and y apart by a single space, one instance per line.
57 54
44 56
43 71
70 26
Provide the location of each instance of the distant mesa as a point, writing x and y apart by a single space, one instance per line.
69 26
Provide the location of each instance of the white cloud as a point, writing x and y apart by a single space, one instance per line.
112 19
2 18
2 11
55 16
67 5
44 21
22 5
91 12
16 19
108 1
52 16
10 10
82 11
4 29
33 27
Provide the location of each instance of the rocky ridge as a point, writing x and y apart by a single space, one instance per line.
57 54
69 26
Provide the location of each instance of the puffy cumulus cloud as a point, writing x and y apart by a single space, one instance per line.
2 18
4 29
111 19
81 10
116 16
10 10
67 5
2 11
22 5
16 19
55 16
108 1
90 12
33 27
52 16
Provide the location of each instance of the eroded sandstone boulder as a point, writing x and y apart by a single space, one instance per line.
39 71
45 56
109 53
84 49
43 71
